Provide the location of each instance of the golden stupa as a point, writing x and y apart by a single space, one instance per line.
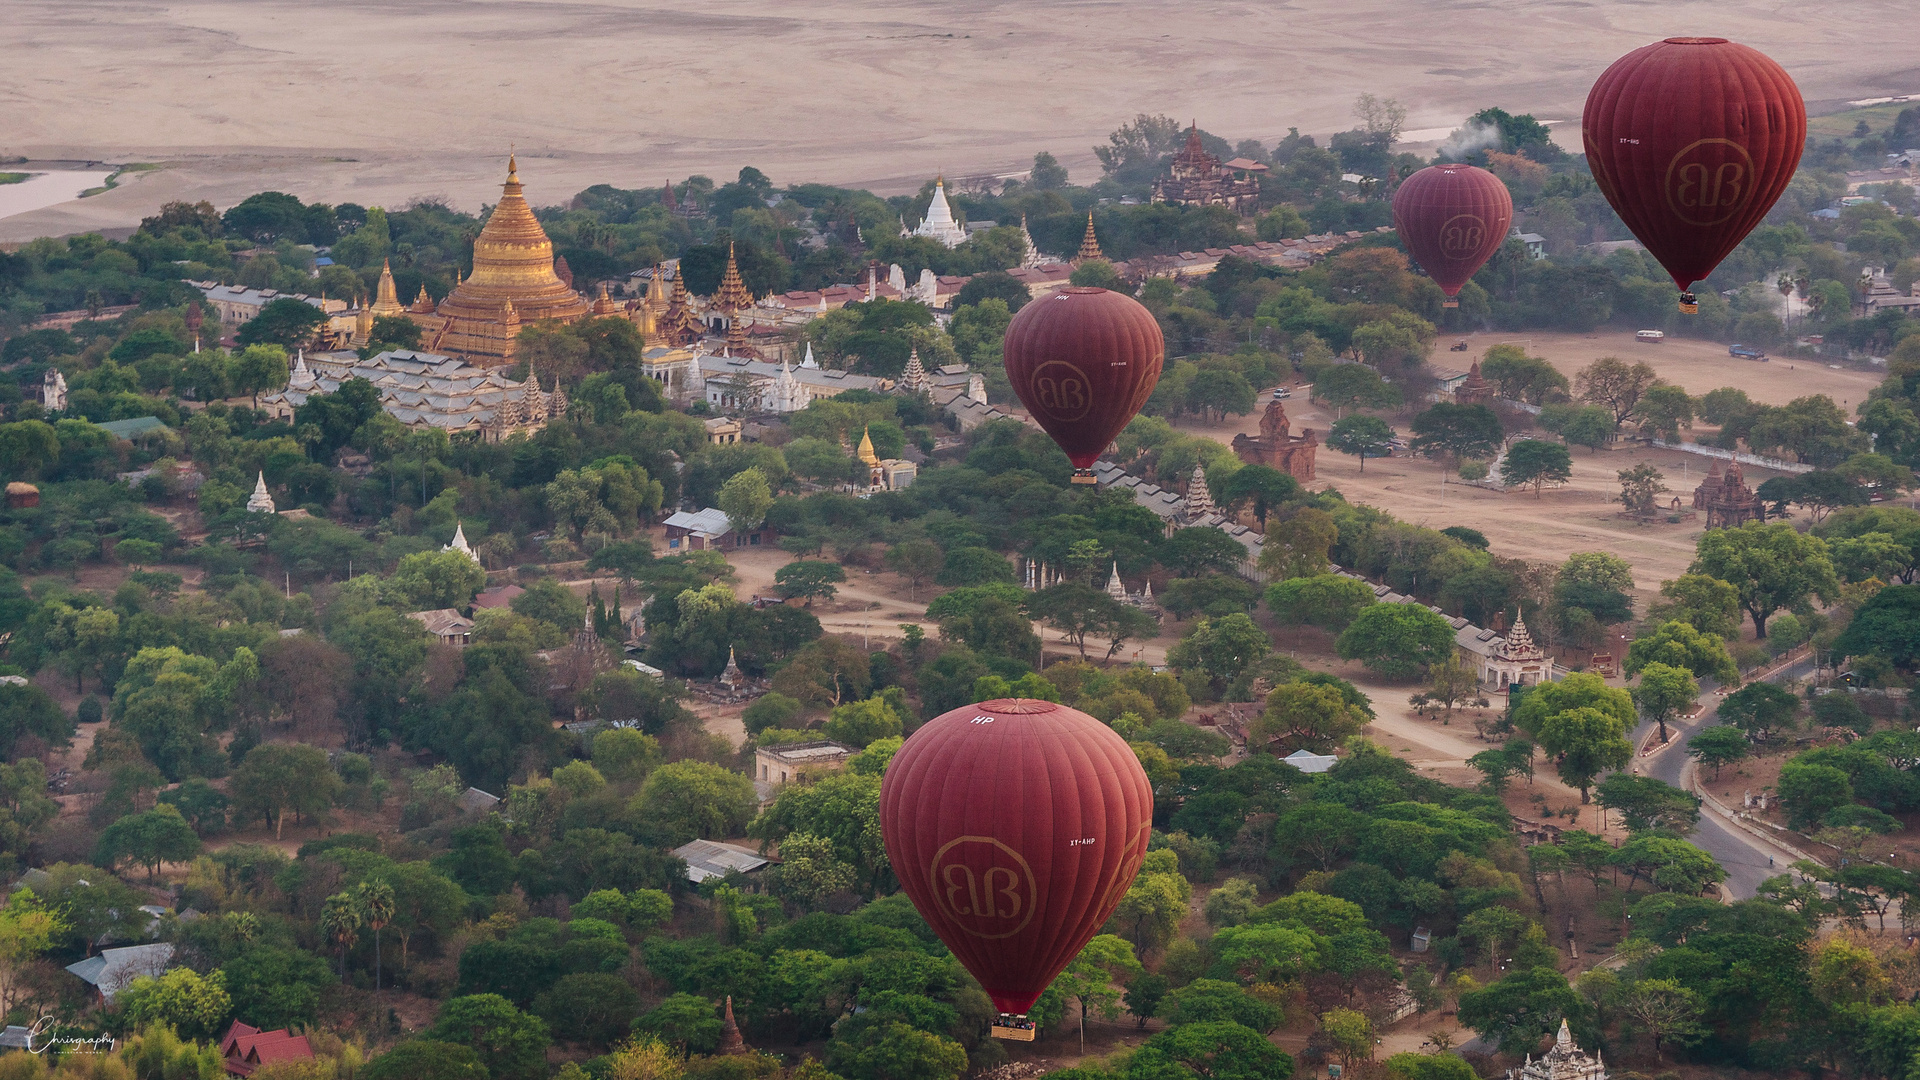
513 283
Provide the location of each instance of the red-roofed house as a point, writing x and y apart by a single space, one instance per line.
246 1048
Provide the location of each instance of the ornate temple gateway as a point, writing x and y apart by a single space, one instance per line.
513 283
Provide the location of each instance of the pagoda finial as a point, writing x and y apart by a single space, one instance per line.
513 166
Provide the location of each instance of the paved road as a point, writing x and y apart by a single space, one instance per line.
1743 854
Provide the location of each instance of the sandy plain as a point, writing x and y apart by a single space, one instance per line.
380 103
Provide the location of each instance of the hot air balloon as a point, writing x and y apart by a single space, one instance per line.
1452 218
1692 139
1015 827
1083 361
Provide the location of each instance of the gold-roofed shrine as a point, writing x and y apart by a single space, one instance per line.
513 283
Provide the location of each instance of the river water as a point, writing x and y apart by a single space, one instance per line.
43 189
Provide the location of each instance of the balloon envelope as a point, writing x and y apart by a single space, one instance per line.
1452 218
1083 361
1692 140
1015 826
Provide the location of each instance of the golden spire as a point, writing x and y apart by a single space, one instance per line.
388 302
1090 244
732 295
865 453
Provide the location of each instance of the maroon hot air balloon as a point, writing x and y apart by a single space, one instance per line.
1452 218
1016 826
1083 362
1692 139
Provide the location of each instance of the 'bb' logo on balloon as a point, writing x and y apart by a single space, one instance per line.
1061 390
1462 235
1709 181
984 885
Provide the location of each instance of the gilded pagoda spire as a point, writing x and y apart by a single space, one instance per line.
865 453
513 266
1089 243
732 295
388 300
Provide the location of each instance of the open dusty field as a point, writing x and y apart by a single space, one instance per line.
1695 366
1575 517
379 103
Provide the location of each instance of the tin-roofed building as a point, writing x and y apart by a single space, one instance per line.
709 859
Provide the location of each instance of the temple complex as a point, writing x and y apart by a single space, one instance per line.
1565 1061
514 282
1200 179
731 298
1727 499
1276 447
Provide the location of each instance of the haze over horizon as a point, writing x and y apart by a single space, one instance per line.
381 105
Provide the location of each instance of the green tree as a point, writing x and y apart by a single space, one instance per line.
1770 566
860 723
275 778
1615 385
1536 462
340 924
1218 1050
1522 377
808 579
1760 709
1520 1009
151 838
1887 625
1089 979
1223 647
1647 803
429 580
1718 746
1396 640
1458 431
1362 436
1260 488
373 902
1671 864
1350 1032
593 1007
689 800
1667 1011
1298 546
195 1005
1354 386
1585 742
1330 601
1640 485
511 1044
1665 692
1680 645
1663 410
1707 604
1191 552
283 322
426 1059
1303 716
1810 791
745 498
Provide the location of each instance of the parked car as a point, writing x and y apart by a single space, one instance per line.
1746 352
1458 346
1282 392
1654 336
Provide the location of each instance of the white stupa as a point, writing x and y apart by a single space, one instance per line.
260 502
939 223
459 542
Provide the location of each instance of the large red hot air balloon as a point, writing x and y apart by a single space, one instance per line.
1452 218
1692 139
1016 826
1083 361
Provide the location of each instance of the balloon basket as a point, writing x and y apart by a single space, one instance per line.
1084 476
1012 1028
1689 304
1449 303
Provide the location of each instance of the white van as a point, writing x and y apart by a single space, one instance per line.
1655 336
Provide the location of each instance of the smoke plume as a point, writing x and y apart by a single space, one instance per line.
1469 140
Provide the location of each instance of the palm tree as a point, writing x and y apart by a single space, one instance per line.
340 924
373 903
